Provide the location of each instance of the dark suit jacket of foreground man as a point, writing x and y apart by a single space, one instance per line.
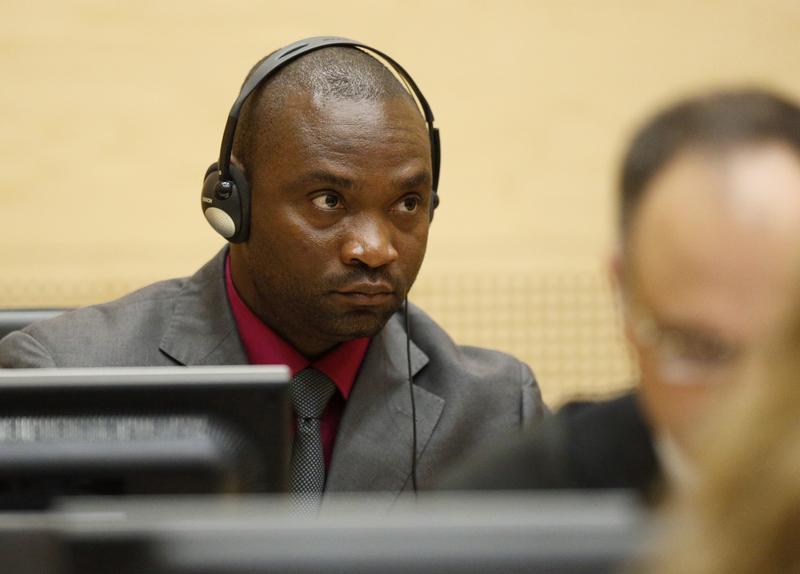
586 446
464 395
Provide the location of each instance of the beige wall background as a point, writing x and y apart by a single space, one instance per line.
111 111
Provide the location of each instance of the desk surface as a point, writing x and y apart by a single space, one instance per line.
554 533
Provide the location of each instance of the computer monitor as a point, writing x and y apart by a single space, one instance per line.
142 430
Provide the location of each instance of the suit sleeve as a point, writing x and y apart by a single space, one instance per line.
533 408
20 350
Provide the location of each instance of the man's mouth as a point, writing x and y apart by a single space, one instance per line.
366 293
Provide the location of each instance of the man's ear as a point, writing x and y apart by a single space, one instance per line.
619 285
615 269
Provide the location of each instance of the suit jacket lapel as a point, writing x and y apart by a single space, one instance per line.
202 330
373 444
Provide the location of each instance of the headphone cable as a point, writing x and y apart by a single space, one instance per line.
413 405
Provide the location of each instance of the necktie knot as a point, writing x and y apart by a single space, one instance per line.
310 391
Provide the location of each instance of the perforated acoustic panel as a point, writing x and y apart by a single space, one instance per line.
564 325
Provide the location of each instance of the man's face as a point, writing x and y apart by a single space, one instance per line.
707 274
339 225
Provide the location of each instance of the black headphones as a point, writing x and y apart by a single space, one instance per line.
226 191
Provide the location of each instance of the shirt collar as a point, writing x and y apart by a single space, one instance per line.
263 346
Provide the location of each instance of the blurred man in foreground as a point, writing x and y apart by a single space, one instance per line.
710 219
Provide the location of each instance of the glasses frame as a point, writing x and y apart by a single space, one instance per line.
682 357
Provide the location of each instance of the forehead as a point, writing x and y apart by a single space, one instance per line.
714 241
310 129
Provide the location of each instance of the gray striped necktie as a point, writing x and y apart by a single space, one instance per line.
310 391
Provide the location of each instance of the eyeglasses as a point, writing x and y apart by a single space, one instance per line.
684 357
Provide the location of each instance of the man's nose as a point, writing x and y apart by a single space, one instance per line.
369 243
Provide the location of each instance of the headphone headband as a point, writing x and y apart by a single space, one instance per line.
293 51
226 192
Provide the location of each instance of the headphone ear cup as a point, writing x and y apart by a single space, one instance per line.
226 204
217 211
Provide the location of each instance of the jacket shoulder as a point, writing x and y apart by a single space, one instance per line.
109 330
610 444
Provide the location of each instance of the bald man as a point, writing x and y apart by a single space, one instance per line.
710 220
340 168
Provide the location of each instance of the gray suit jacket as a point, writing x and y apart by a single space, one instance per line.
464 395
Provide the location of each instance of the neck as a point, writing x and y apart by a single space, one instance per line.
304 342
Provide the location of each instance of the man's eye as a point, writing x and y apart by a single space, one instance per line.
327 201
408 204
708 351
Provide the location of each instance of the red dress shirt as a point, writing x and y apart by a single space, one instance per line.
263 346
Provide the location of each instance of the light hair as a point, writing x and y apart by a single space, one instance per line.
744 514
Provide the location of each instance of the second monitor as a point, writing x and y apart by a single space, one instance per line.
142 430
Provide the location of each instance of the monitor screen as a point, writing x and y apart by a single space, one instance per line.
142 430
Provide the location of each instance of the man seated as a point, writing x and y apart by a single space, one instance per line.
710 219
327 202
